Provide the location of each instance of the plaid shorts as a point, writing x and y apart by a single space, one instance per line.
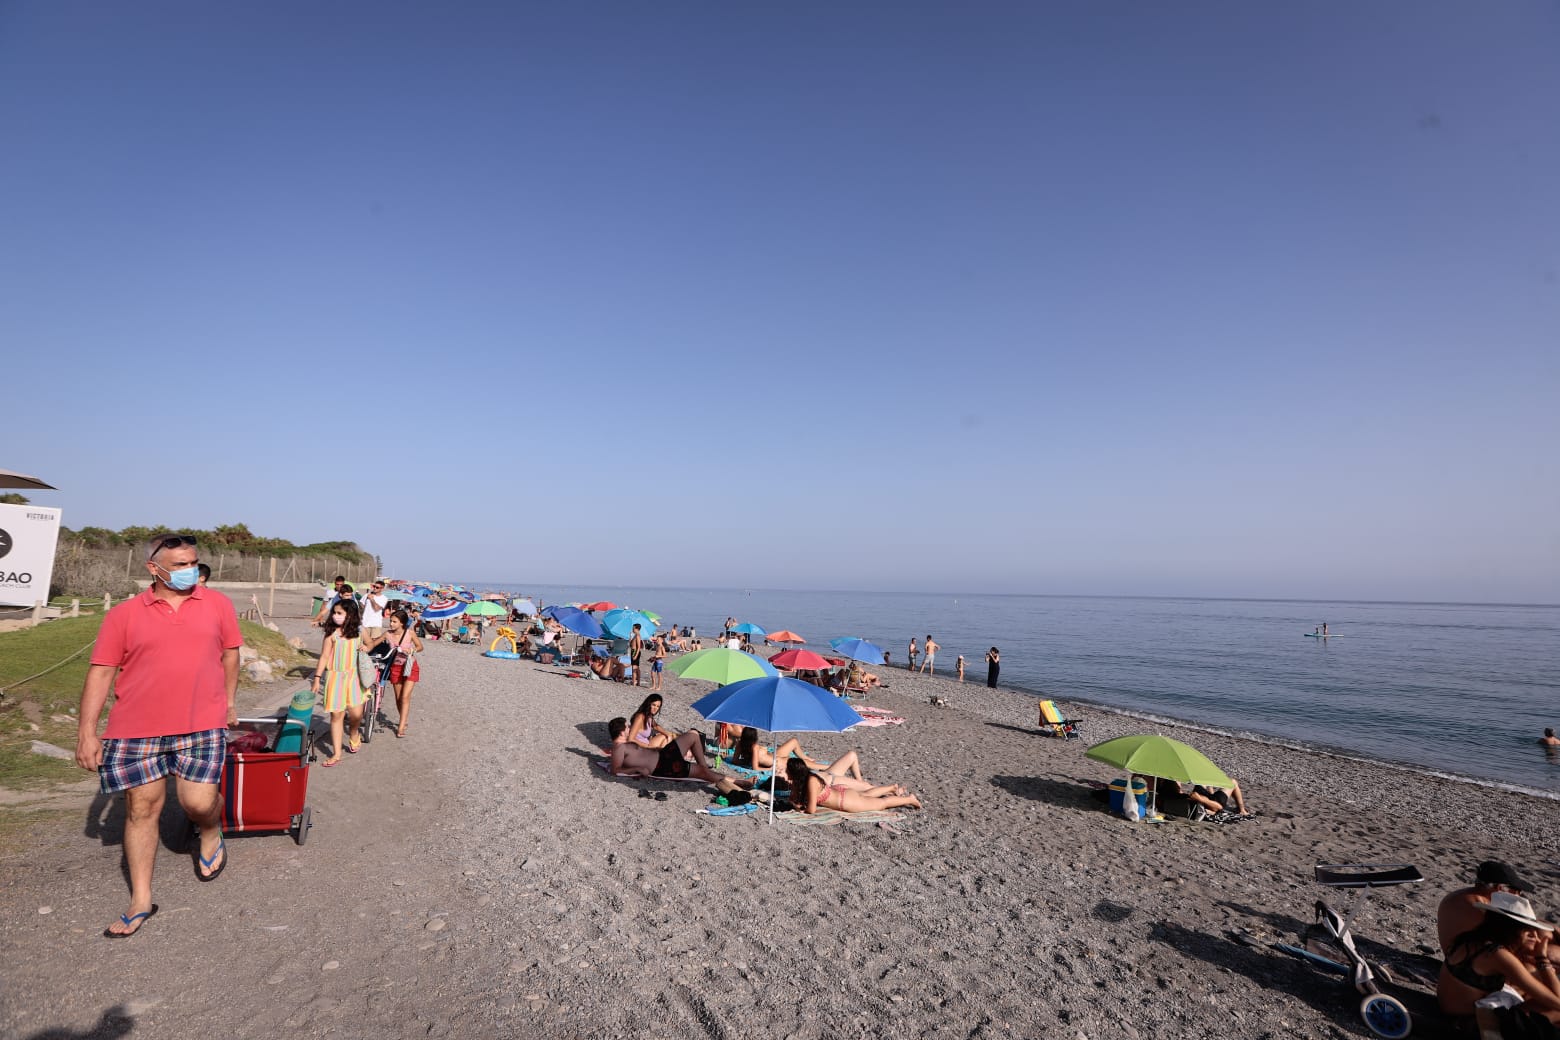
134 761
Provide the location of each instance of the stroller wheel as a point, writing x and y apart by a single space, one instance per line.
1386 1016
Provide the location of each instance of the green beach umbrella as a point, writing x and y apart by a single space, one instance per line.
1153 755
652 615
720 665
486 609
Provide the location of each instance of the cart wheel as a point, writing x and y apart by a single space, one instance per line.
1386 1016
304 823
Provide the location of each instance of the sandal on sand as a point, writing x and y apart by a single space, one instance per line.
130 919
330 762
205 863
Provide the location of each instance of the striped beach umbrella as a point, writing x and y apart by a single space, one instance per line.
444 609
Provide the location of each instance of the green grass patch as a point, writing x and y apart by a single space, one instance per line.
50 701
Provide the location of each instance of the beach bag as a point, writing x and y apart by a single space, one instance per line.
367 669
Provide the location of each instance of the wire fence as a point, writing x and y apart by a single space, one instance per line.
86 571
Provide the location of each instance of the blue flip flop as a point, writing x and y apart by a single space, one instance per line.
204 863
128 920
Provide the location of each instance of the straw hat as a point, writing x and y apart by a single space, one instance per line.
1516 908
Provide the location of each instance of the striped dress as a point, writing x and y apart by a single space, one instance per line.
342 689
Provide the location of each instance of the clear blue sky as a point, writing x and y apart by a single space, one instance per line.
1220 299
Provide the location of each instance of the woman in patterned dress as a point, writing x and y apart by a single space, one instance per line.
343 694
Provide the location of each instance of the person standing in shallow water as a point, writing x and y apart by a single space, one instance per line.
930 648
911 665
993 666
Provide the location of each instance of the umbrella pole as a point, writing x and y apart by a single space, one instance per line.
773 773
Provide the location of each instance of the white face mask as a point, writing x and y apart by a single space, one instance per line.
339 619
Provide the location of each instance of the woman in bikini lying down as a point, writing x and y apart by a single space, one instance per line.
846 769
811 791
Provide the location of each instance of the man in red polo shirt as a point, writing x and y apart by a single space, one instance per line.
174 649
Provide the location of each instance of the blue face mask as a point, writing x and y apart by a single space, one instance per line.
183 579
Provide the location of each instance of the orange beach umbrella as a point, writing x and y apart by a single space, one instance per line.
785 635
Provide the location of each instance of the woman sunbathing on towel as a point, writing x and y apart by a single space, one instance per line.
644 730
846 769
810 792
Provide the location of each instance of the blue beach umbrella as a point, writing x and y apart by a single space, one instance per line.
779 705
523 606
749 628
857 649
552 609
621 622
421 601
579 622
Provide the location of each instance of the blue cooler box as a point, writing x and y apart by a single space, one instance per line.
1118 796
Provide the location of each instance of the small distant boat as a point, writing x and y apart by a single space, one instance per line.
1321 635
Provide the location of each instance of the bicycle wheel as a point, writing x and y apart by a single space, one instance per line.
370 713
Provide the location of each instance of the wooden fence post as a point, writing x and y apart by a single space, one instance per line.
108 601
130 563
75 608
270 606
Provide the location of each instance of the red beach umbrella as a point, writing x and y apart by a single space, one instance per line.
797 658
603 605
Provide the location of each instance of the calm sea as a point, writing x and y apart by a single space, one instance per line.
1453 688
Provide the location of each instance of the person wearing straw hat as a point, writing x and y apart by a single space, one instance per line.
1464 909
1509 949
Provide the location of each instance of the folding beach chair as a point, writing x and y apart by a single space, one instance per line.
1052 723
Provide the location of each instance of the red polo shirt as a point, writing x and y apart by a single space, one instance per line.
170 663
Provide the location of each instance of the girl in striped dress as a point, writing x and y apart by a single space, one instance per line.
343 694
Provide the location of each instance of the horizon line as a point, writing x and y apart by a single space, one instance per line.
1050 595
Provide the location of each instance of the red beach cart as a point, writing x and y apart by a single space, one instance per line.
267 790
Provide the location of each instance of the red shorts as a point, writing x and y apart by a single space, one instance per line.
397 669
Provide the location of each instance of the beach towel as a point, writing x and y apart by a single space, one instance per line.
878 717
729 810
829 817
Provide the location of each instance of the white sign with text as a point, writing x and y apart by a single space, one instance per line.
27 538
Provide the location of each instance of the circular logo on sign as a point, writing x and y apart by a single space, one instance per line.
5 543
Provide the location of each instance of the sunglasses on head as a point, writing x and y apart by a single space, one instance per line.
173 541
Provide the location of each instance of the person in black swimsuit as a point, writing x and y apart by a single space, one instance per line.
681 759
1509 948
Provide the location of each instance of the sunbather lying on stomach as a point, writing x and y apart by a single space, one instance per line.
679 760
810 792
